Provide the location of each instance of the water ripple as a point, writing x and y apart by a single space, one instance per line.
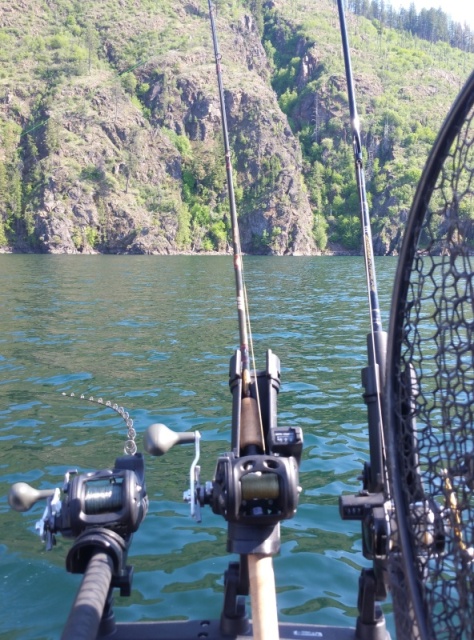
159 344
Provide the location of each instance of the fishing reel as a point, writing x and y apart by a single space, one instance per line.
260 489
379 524
255 489
112 499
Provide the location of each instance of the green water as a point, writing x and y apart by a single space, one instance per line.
155 335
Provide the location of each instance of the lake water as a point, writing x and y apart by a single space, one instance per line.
155 335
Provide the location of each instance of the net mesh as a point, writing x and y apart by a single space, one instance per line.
434 421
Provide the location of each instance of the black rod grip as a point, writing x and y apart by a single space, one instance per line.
86 612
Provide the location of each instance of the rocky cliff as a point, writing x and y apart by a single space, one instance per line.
115 133
111 136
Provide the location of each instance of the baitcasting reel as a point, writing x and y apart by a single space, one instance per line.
260 489
113 499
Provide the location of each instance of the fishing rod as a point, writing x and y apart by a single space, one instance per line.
376 341
247 429
242 309
369 506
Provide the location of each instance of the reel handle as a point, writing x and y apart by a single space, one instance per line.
159 439
22 496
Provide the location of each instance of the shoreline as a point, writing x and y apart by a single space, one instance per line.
328 253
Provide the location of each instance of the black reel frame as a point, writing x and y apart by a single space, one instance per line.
100 510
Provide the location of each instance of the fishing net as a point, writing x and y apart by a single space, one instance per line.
430 377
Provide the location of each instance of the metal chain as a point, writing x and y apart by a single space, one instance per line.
130 447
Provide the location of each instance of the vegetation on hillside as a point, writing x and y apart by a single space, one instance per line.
110 136
433 25
404 87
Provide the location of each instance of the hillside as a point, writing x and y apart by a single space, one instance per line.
404 88
111 138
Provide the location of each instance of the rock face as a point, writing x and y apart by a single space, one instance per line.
111 138
281 212
88 204
108 180
128 158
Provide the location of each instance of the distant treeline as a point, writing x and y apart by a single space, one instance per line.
430 24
